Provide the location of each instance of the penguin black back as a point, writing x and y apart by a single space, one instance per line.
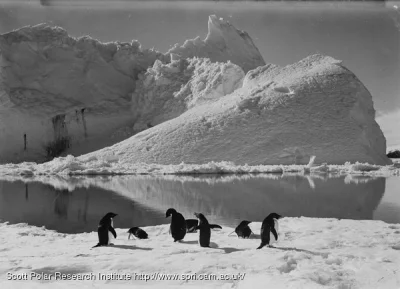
137 232
269 228
178 224
105 226
205 230
243 230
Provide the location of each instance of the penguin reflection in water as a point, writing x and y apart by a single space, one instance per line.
269 230
178 224
104 229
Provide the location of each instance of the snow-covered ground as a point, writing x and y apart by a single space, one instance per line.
311 253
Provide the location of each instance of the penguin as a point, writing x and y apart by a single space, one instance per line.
178 224
243 230
191 225
105 229
269 229
205 230
138 233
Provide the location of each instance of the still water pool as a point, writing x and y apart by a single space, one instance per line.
75 205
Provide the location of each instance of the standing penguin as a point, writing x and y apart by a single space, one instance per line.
178 224
105 228
243 230
138 233
269 229
205 230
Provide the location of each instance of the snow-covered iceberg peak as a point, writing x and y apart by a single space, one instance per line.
197 101
89 94
223 42
280 115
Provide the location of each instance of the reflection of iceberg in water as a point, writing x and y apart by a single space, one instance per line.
61 203
70 211
225 199
389 207
254 198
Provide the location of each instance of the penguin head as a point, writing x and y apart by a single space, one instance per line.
110 215
244 223
170 212
274 216
200 216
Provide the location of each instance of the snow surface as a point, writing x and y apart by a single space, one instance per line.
53 85
311 253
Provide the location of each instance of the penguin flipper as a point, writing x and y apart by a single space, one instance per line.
111 229
215 226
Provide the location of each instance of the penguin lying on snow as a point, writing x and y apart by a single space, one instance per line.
104 229
269 229
137 232
191 225
205 230
243 230
178 224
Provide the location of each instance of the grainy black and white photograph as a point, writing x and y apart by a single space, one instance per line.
199 144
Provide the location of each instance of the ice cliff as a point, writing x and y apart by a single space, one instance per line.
207 100
54 87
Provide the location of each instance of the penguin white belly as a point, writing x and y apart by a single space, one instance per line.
271 235
110 235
